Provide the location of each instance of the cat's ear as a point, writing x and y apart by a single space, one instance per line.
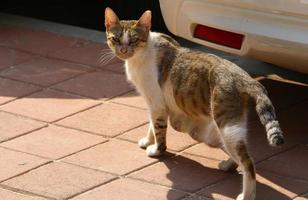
111 19
145 20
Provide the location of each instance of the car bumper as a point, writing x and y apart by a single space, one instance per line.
278 36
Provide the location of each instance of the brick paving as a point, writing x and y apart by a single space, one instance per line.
69 129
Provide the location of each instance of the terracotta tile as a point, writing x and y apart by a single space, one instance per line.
85 52
176 141
107 119
33 41
111 156
44 71
131 99
58 180
258 145
13 163
293 122
117 67
269 186
129 189
53 142
12 125
10 57
205 151
277 92
98 85
187 173
283 96
10 90
292 163
48 105
10 195
197 197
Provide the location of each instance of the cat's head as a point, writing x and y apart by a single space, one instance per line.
126 37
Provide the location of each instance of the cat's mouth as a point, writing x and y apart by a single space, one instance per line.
124 56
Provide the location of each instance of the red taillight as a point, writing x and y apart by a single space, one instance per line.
214 35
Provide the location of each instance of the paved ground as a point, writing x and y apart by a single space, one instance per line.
69 127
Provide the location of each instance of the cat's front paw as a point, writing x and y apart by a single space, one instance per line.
144 142
155 150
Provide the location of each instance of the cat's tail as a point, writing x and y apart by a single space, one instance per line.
267 115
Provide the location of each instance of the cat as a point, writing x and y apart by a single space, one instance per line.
199 93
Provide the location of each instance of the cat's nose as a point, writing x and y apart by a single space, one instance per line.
123 50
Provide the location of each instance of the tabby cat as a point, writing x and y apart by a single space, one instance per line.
201 94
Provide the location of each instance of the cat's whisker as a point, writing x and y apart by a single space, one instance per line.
106 61
106 58
107 55
105 51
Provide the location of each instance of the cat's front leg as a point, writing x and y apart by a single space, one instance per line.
148 139
159 129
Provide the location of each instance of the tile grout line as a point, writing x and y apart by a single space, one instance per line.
88 97
158 184
287 176
130 129
77 112
278 153
113 97
98 134
36 55
31 154
32 57
25 82
92 188
24 192
81 150
122 104
25 172
22 96
81 130
216 183
24 116
23 134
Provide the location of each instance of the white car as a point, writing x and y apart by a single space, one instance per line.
274 31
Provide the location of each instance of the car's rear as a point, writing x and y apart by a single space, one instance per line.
274 31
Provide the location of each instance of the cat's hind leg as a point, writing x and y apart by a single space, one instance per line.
233 137
230 117
209 134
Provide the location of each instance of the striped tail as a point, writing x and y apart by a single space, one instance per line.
267 115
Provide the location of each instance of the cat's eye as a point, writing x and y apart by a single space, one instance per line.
133 40
116 40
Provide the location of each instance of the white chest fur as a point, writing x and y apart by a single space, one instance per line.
141 70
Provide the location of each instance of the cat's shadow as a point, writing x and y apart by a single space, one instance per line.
186 174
